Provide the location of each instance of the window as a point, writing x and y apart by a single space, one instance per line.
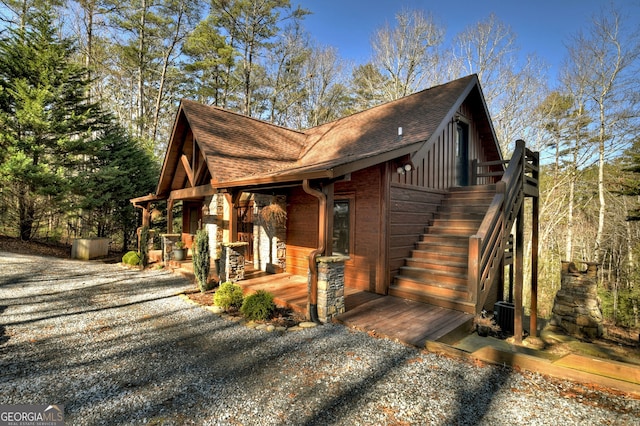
342 239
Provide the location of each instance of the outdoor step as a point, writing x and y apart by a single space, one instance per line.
441 276
456 223
446 239
444 302
459 267
444 244
450 230
435 255
431 287
476 189
478 192
463 208
461 215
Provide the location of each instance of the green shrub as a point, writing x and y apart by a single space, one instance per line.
202 260
131 258
258 306
228 295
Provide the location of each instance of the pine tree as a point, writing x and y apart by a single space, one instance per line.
46 119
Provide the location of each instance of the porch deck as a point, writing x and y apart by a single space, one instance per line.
408 321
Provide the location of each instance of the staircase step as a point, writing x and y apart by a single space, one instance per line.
456 223
437 275
475 189
461 215
444 244
457 304
437 271
459 267
450 230
465 207
446 239
435 255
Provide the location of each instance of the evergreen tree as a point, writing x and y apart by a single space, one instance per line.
46 119
118 170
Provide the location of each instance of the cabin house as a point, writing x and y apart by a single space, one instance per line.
411 198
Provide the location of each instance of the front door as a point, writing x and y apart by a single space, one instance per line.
245 228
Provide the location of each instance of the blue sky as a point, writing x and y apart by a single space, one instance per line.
541 26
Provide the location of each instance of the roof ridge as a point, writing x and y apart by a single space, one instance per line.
386 103
259 120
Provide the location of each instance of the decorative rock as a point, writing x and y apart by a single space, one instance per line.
576 307
307 324
216 309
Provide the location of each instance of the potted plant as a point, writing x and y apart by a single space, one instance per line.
485 325
179 252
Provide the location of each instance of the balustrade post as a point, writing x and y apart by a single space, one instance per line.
475 243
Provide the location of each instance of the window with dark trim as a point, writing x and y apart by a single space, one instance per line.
342 226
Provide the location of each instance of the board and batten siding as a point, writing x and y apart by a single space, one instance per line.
414 196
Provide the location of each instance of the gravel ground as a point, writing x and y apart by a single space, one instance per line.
117 346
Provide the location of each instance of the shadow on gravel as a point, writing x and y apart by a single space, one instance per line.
3 337
137 356
474 402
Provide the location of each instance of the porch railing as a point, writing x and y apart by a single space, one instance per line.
487 246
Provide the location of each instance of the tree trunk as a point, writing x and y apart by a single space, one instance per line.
568 254
141 47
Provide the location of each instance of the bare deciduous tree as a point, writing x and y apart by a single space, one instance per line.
407 53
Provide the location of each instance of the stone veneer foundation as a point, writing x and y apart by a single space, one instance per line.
232 261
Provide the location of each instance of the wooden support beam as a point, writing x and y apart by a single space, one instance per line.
146 215
170 216
519 266
195 192
187 168
534 266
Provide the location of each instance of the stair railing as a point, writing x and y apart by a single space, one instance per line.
487 246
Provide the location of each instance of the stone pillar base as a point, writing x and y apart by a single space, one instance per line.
330 287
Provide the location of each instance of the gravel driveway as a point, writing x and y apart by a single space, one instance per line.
117 346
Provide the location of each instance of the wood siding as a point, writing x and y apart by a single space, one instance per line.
361 271
437 169
392 210
411 210
302 230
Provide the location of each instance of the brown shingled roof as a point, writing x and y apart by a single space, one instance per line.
236 146
375 131
240 150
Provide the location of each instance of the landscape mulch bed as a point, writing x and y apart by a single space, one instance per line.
282 317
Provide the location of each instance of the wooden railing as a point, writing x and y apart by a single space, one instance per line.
487 246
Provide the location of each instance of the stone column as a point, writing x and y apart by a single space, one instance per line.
330 287
232 262
576 308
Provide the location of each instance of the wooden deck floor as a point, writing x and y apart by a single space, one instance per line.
408 321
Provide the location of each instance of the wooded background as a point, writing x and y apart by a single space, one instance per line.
89 90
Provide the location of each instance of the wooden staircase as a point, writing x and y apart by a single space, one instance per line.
437 271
